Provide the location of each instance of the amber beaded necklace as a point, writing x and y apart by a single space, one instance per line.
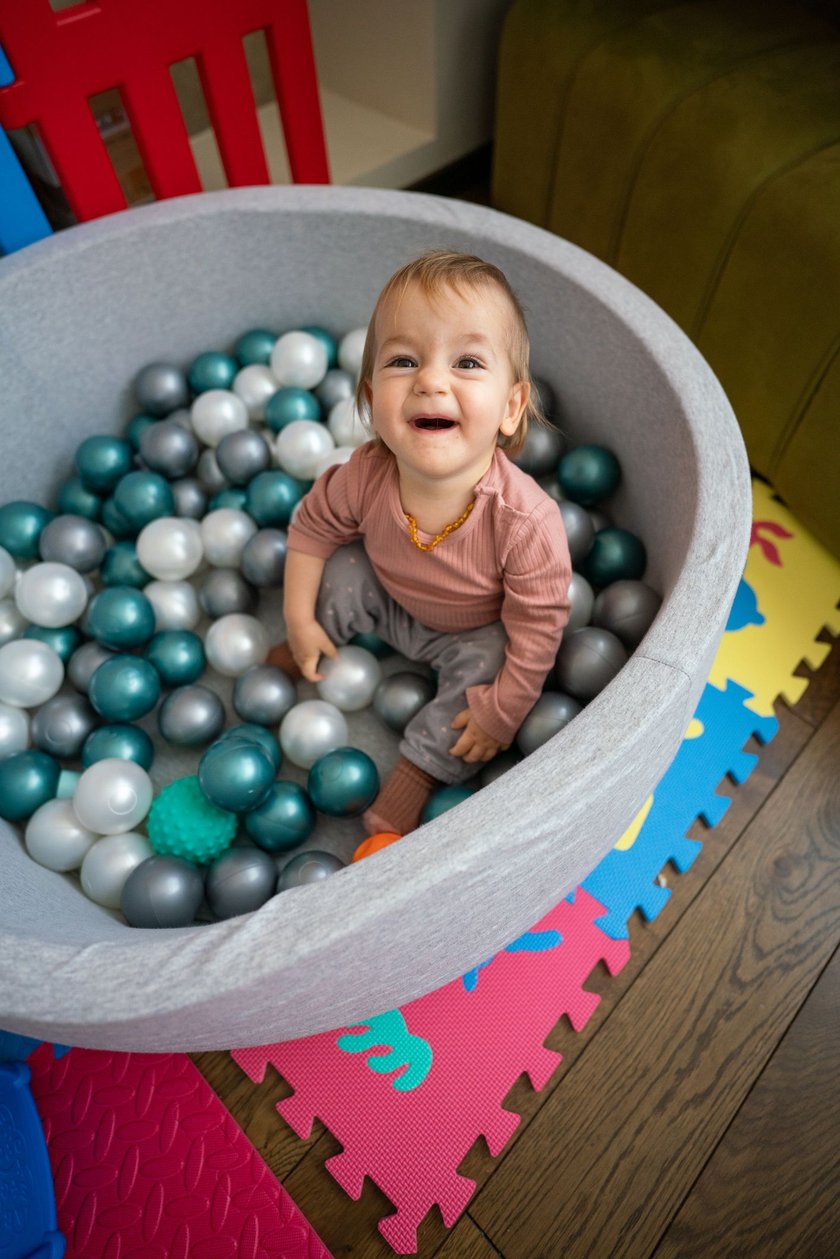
438 538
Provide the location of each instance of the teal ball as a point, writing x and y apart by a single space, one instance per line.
115 522
255 346
250 732
272 497
372 643
27 780
64 640
327 340
235 775
124 688
124 742
120 617
443 799
343 783
101 461
21 525
615 555
232 496
283 820
121 567
588 474
178 656
289 404
212 370
142 497
74 499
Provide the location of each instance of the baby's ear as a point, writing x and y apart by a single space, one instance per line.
518 397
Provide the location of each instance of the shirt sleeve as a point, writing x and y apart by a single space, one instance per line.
329 515
534 612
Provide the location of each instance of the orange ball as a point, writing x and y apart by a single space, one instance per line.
374 842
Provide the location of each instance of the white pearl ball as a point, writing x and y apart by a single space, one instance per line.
52 594
255 384
224 534
175 603
349 680
339 455
216 413
55 837
30 673
113 796
8 572
170 547
300 447
14 730
350 350
12 621
310 730
108 864
346 425
235 643
299 359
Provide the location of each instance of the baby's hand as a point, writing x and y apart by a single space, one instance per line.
307 644
474 744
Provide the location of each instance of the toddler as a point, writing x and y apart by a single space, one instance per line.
429 536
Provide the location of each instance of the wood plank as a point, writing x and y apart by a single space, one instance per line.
466 1241
771 1188
614 1152
823 685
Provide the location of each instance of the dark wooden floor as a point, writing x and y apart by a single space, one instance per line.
698 1113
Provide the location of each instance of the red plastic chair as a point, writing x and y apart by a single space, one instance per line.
61 59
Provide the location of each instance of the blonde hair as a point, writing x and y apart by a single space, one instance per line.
436 271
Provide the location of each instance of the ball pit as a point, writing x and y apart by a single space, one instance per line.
218 269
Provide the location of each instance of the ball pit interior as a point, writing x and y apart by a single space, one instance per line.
84 312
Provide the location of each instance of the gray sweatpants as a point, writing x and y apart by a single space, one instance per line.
352 601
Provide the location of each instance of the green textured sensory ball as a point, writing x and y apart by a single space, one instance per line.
183 823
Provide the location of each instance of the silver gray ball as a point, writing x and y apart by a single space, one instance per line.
61 726
162 892
209 473
84 662
542 450
581 598
264 557
549 715
499 765
242 455
579 530
75 541
264 695
399 698
336 385
190 498
240 881
225 590
169 448
161 388
600 519
308 867
191 716
627 609
587 660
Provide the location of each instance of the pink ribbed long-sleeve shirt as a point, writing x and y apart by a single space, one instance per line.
508 562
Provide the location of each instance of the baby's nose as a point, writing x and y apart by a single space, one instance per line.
431 379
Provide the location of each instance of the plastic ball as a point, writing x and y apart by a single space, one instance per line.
121 567
310 730
115 522
141 497
616 555
627 609
224 534
136 427
240 881
51 594
162 892
170 548
124 688
264 695
112 796
175 604
343 783
336 385
27 780
290 404
235 775
372 643
8 573
68 781
184 823
190 498
12 621
120 617
62 725
242 455
124 742
64 639
208 472
225 590
178 656
263 560
350 350
346 425
73 540
581 600
55 838
300 446
109 862
548 717
83 664
160 388
587 661
168 448
327 340
588 474
74 499
212 370
501 764
235 643
255 346
255 384
14 730
579 531
252 732
102 461
341 454
191 716
21 526
216 413
30 673
283 820
300 360
233 497
308 867
349 681
272 497
375 843
541 451
399 698
444 799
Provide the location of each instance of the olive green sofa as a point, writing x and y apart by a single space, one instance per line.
695 147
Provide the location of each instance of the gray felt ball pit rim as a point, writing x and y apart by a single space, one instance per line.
443 900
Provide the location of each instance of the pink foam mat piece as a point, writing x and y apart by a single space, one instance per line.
148 1164
408 1093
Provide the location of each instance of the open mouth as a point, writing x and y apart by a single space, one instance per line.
432 424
